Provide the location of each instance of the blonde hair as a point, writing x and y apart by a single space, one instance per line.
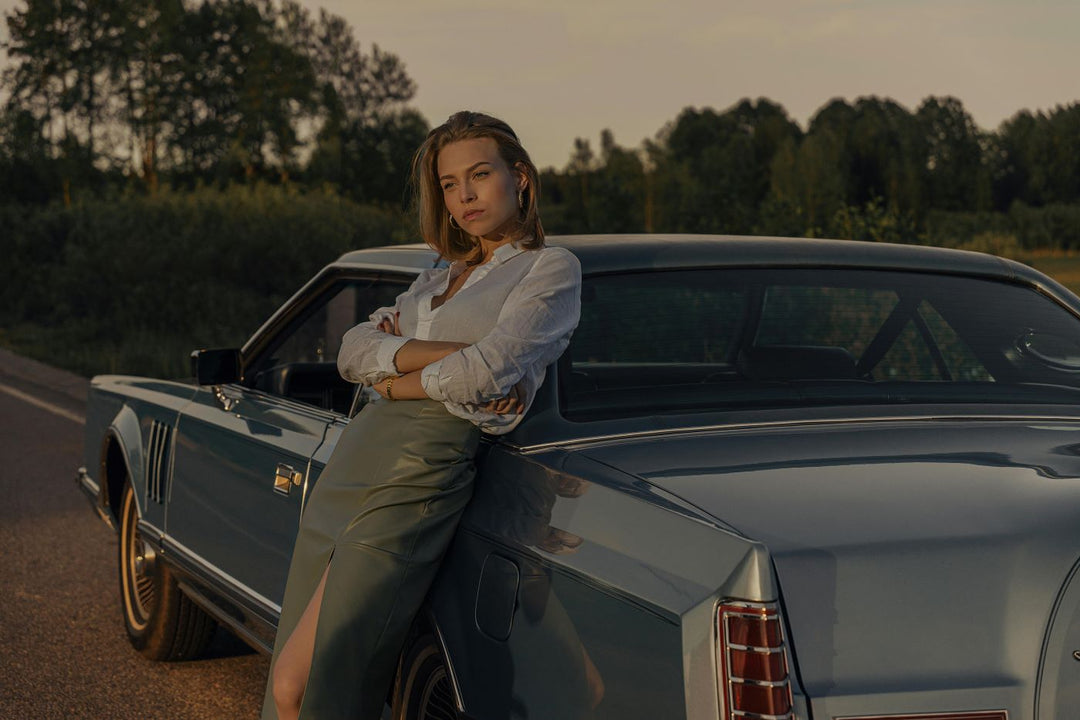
435 228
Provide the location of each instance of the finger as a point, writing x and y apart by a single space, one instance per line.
397 323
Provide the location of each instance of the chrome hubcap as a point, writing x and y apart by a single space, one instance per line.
144 560
437 699
139 561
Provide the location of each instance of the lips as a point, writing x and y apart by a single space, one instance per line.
472 215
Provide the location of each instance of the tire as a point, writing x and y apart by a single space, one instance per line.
161 622
423 690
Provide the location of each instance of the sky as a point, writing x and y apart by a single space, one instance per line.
561 69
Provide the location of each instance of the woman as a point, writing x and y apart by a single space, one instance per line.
463 350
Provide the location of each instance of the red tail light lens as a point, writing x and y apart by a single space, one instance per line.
977 715
754 681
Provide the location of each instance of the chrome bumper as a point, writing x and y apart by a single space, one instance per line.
92 490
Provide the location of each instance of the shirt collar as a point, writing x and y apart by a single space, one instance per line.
501 255
505 252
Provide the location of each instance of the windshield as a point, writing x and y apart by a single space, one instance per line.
703 340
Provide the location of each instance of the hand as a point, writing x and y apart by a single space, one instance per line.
391 327
512 404
380 387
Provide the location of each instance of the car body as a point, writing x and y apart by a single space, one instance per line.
771 478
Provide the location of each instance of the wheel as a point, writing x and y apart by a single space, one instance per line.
423 690
162 623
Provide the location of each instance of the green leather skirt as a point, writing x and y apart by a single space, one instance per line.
381 516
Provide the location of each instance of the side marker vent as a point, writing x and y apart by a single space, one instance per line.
157 460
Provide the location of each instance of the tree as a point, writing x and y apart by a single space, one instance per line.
205 90
617 202
957 178
1040 154
713 170
365 133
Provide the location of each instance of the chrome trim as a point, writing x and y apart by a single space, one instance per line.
771 610
752 605
756 649
171 544
951 715
307 476
87 483
285 403
225 619
285 477
92 491
150 532
580 443
759 683
762 716
454 684
172 459
753 615
158 444
227 403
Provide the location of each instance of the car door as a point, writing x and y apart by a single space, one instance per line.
243 451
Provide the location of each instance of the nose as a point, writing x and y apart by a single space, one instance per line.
465 192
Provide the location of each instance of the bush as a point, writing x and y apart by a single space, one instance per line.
956 229
131 285
1051 227
995 243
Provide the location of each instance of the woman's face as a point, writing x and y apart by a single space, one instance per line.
479 188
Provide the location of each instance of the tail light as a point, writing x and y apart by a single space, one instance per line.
754 679
978 715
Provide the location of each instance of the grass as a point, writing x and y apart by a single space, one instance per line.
1063 267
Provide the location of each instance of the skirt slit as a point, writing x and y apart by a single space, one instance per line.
380 517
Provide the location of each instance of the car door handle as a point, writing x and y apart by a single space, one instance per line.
285 478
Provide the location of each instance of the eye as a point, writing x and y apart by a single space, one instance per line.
447 186
482 173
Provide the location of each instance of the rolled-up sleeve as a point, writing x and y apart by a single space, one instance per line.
367 353
532 331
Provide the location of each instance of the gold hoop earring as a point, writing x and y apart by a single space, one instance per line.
456 227
521 199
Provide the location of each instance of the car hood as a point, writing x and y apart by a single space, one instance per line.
909 554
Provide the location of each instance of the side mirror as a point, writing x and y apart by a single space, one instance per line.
215 367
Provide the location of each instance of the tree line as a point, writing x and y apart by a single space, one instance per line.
125 94
113 96
869 169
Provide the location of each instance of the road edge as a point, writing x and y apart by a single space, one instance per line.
34 372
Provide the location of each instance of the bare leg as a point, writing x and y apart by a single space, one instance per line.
294 662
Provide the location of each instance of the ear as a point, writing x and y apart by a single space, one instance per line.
522 176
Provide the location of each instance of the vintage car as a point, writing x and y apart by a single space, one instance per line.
770 479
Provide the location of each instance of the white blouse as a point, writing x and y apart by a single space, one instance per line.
516 311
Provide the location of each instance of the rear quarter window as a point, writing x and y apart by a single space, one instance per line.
714 339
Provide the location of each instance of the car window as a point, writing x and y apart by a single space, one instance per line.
700 321
301 363
703 340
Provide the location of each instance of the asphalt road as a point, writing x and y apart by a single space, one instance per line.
63 649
